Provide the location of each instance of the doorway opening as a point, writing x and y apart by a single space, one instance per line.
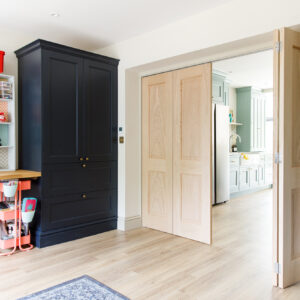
243 158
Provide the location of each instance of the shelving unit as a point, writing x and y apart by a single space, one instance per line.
7 128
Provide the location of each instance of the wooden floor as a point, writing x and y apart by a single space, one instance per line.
148 264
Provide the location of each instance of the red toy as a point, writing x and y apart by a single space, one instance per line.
2 53
2 117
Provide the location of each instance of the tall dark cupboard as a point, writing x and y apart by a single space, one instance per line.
68 131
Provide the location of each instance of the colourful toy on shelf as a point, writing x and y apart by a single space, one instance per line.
28 210
2 117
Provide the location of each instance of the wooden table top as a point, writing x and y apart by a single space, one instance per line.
19 174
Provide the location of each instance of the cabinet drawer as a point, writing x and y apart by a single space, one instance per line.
74 178
72 210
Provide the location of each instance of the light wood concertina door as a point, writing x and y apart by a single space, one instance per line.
289 149
185 208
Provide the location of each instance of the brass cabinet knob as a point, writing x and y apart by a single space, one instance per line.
81 158
83 196
83 165
86 158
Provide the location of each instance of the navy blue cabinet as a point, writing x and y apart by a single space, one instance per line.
68 131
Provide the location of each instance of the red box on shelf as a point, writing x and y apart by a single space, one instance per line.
6 244
2 53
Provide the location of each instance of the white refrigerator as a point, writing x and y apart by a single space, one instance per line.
220 148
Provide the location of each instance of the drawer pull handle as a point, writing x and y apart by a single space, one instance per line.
83 196
83 165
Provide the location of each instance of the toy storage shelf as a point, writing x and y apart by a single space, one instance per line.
15 214
7 244
7 128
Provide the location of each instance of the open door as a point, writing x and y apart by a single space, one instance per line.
192 161
289 154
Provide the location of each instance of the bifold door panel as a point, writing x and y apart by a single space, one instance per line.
176 150
192 153
289 147
157 203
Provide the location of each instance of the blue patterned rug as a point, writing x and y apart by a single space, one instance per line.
82 288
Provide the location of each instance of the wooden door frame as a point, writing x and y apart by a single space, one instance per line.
241 52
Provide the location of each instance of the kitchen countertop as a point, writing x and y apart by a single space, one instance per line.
19 174
239 153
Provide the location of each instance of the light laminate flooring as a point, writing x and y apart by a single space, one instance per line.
148 264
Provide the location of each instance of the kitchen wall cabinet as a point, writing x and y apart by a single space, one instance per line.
251 113
226 93
218 88
68 131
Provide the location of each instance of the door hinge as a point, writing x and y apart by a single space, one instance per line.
278 158
278 46
277 268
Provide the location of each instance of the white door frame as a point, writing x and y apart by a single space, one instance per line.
133 81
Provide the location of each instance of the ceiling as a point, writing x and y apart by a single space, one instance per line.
92 24
249 70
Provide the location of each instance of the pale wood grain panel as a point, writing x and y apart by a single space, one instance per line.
296 107
192 109
190 204
157 152
289 170
191 114
296 223
157 128
157 196
276 84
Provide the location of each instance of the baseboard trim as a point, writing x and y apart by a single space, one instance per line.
129 223
250 191
43 239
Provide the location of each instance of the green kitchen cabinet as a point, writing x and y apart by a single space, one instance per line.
226 93
251 113
244 178
218 88
234 179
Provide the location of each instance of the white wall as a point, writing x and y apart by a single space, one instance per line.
241 25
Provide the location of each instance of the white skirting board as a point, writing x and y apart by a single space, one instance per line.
129 223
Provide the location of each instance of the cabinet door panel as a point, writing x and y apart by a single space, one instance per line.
244 179
217 89
100 96
234 179
62 179
62 107
254 177
64 211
